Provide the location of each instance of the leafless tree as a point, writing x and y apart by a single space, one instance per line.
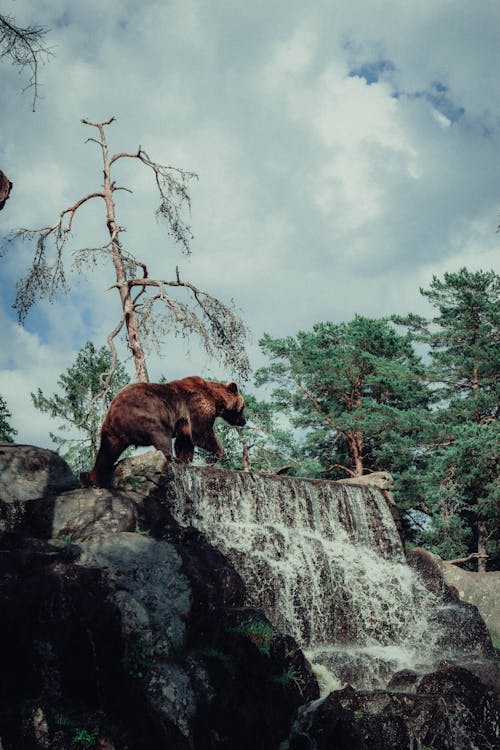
150 307
25 48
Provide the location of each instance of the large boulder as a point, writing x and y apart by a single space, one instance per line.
460 623
479 589
381 479
29 472
121 629
449 709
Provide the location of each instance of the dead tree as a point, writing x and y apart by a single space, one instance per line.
24 48
220 329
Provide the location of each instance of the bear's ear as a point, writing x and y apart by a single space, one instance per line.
232 387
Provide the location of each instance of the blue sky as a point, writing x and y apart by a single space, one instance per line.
346 152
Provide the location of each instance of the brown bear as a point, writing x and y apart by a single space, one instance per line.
154 413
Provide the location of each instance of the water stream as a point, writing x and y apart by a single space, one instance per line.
326 564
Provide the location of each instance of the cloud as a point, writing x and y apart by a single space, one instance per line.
346 152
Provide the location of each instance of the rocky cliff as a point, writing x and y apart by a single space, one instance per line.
123 627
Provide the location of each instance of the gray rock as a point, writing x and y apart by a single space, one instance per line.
82 513
140 473
29 472
480 589
146 582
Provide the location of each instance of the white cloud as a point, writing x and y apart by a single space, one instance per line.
346 152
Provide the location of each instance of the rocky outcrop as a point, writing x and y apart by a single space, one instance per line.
479 589
29 472
461 621
121 630
449 709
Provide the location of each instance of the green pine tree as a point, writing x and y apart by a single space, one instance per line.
356 389
81 405
463 440
265 444
7 433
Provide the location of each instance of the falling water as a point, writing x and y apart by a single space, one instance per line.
326 564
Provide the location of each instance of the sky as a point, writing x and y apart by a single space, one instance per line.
346 152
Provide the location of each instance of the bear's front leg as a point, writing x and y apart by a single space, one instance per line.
184 449
208 442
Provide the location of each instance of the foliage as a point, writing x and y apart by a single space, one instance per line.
290 676
87 389
261 633
460 479
355 388
139 655
7 433
265 444
84 739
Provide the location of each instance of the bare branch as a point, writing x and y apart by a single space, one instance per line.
221 331
172 184
472 556
25 48
44 279
339 466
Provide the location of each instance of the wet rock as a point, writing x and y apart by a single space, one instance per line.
463 630
428 566
403 681
451 710
128 641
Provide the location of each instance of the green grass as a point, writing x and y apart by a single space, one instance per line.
261 633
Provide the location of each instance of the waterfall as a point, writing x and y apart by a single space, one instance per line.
325 563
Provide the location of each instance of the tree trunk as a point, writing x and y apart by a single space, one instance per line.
355 445
481 547
128 308
246 458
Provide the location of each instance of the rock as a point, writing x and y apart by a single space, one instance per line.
122 629
76 515
428 566
131 641
480 589
29 472
450 710
462 627
140 473
403 681
381 479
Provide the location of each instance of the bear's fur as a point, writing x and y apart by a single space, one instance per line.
155 413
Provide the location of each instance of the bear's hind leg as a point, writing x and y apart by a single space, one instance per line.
162 441
102 473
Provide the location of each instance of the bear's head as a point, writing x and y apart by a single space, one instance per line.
234 405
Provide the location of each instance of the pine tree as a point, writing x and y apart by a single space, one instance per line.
87 389
356 388
7 433
463 442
